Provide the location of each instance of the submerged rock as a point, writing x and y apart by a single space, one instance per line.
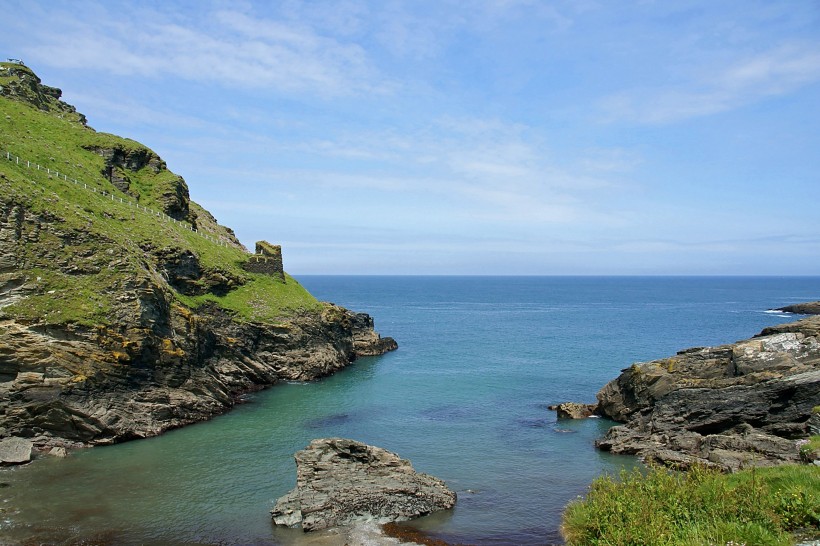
342 482
731 407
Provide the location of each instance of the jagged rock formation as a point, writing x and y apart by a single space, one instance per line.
366 341
124 160
342 482
731 407
808 308
25 86
116 324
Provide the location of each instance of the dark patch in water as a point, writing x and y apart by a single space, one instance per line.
535 423
4 484
329 421
448 413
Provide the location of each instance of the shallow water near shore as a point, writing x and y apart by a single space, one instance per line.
464 398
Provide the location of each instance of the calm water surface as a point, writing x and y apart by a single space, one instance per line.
464 398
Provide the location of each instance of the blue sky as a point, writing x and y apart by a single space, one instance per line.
444 137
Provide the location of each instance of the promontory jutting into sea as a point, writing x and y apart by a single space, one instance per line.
160 383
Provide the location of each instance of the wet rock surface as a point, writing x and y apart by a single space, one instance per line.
342 482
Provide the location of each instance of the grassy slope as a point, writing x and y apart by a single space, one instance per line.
56 140
761 507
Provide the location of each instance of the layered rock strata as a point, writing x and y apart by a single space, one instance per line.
342 482
74 385
730 407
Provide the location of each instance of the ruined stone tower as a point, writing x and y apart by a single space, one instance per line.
267 260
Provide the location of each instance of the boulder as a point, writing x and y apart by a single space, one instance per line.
573 410
15 450
342 482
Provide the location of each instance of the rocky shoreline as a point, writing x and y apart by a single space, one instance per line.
730 407
203 372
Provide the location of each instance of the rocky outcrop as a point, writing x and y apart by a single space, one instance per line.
731 407
808 308
341 482
20 83
573 410
366 341
123 162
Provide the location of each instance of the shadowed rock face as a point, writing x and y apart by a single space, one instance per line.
731 406
341 482
164 368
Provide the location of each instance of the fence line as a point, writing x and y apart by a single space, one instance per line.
152 212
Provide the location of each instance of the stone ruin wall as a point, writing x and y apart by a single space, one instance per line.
267 260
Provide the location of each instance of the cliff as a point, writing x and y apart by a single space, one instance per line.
125 308
731 407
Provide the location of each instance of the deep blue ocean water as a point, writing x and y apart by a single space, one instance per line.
464 398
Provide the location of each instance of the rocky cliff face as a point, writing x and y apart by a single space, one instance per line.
118 323
731 407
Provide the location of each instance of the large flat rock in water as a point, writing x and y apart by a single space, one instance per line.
341 482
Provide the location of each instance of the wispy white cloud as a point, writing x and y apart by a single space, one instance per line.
231 48
744 81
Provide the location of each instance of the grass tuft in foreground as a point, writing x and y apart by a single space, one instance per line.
764 506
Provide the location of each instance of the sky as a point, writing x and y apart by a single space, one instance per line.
488 137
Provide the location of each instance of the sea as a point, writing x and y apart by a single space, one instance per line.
464 398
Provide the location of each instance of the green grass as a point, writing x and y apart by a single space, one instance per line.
91 247
701 507
810 450
262 299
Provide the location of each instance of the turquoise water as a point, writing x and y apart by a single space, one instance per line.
464 398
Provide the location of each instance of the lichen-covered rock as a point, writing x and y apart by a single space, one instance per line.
341 482
732 406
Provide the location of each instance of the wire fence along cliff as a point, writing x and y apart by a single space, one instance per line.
114 198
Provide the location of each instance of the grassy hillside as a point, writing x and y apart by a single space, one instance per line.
80 243
762 506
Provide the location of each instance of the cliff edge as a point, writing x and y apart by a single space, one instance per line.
126 309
